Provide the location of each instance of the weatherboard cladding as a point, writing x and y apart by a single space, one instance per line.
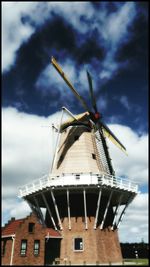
75 156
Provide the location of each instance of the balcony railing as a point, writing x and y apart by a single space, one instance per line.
77 179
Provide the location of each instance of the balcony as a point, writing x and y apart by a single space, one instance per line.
78 179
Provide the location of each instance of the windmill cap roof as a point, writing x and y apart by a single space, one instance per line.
80 117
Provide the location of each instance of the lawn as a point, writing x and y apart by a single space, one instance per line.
136 261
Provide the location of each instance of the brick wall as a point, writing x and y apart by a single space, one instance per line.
8 248
22 233
100 246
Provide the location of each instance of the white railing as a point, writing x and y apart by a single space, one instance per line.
77 179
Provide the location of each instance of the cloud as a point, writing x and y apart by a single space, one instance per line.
115 31
49 81
134 226
14 207
20 163
124 101
102 103
72 12
14 32
135 165
28 17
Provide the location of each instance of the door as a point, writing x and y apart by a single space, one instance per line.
52 250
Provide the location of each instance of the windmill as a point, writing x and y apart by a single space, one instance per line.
82 197
94 119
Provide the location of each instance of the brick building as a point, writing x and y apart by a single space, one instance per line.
27 242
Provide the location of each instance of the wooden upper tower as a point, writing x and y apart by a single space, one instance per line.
78 151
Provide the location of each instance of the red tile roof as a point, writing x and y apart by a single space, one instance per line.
52 233
13 225
11 228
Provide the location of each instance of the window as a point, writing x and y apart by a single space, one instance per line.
78 244
77 176
76 137
61 158
31 227
36 247
23 247
3 247
93 156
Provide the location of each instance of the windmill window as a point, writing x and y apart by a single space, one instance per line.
61 158
31 227
77 176
23 247
76 137
78 244
36 247
93 156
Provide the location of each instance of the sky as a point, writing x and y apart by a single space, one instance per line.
110 40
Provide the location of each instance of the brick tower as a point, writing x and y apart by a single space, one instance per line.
82 197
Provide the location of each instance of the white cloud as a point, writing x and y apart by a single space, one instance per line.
73 11
115 30
124 101
117 26
102 103
14 32
49 80
135 165
27 150
14 208
134 226
26 147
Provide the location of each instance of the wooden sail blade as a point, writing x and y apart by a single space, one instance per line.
62 74
91 92
108 133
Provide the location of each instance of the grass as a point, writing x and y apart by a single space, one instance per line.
137 261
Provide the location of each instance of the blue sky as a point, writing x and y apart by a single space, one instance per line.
110 40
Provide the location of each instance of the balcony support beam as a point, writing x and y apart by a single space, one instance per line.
116 212
106 210
97 210
68 206
49 211
39 210
56 209
85 209
123 211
